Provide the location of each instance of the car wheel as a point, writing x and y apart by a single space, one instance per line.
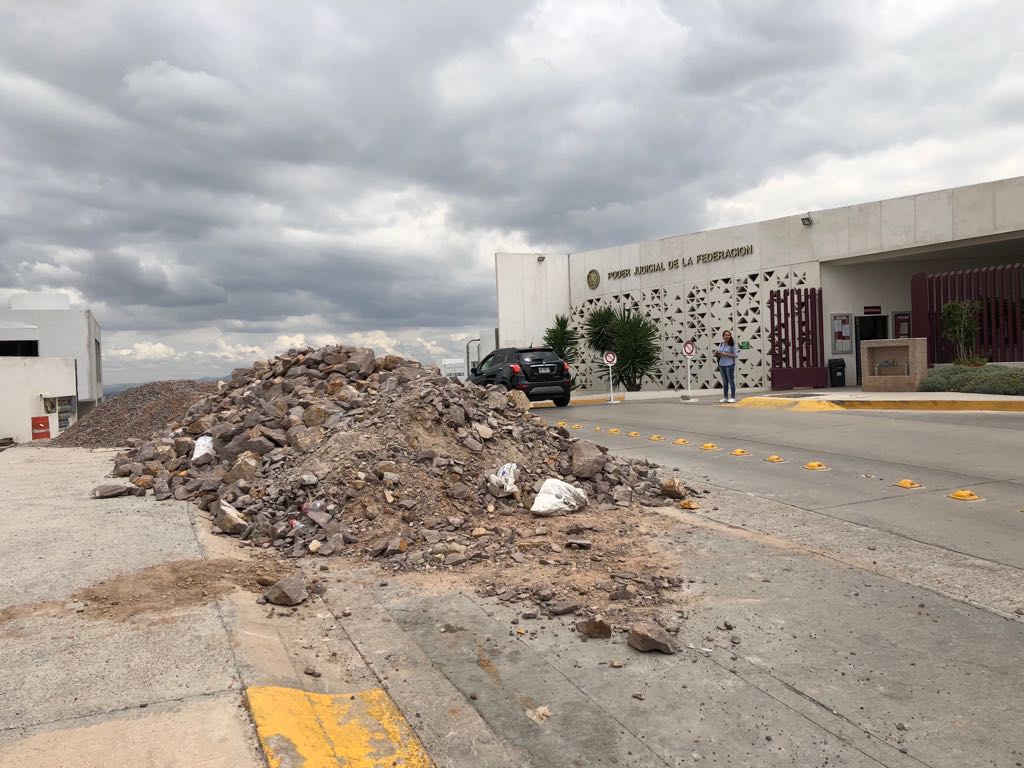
562 401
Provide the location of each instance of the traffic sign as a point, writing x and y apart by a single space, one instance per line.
689 348
610 358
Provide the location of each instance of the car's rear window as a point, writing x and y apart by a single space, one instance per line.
537 356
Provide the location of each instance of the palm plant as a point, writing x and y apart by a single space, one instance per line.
635 341
563 339
598 329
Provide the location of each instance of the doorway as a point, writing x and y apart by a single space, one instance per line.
867 328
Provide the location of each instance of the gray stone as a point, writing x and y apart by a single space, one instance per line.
290 590
244 468
111 491
587 458
229 520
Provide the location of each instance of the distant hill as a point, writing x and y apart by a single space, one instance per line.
109 390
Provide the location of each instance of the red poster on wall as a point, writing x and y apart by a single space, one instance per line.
40 427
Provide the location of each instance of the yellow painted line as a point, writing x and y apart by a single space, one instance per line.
813 406
323 730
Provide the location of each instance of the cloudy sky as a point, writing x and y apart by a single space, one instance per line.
220 181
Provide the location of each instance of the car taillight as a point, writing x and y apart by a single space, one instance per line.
515 368
568 370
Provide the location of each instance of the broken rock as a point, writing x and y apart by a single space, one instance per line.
290 590
110 491
646 637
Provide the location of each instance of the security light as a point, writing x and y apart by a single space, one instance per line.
540 258
806 219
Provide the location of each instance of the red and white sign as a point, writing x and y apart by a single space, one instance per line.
610 358
689 349
40 427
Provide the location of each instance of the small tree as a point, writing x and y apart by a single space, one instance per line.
960 326
635 341
563 339
598 329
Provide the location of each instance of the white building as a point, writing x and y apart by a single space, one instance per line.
795 291
50 364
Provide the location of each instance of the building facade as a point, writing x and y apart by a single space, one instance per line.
795 291
51 361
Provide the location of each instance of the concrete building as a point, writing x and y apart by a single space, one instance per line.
51 364
796 291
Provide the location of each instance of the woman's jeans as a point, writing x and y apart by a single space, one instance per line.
728 380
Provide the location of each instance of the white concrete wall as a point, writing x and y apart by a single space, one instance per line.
66 333
532 289
22 381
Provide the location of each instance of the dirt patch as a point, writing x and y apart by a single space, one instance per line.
159 589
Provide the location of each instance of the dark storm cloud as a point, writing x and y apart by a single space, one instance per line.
259 168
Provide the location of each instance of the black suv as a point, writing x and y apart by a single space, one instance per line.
536 371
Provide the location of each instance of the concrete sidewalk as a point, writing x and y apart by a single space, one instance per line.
85 686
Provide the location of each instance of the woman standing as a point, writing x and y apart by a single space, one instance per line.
727 355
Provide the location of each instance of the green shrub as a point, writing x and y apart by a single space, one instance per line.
987 380
563 339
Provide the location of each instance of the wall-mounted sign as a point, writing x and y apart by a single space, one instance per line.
689 261
873 310
842 334
901 325
593 279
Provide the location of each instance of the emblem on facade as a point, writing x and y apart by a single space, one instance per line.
593 278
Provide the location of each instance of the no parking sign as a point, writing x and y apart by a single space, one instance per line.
610 358
689 349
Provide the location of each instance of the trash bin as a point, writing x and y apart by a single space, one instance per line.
837 372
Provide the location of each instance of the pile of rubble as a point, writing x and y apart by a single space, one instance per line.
135 412
337 451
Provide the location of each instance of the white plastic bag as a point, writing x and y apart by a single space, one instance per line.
203 445
558 498
505 478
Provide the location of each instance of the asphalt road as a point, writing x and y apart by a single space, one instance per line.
866 452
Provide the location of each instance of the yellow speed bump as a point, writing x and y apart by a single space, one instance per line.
634 434
614 431
739 452
656 438
680 441
562 424
815 466
576 426
322 730
775 459
907 483
688 504
964 494
597 429
710 447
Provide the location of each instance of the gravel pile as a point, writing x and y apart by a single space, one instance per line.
134 413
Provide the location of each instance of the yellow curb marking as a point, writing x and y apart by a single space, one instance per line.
907 483
965 494
680 441
840 404
323 730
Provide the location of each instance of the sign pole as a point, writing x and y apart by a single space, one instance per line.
689 348
611 386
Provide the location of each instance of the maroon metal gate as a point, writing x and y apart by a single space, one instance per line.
797 338
1000 332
